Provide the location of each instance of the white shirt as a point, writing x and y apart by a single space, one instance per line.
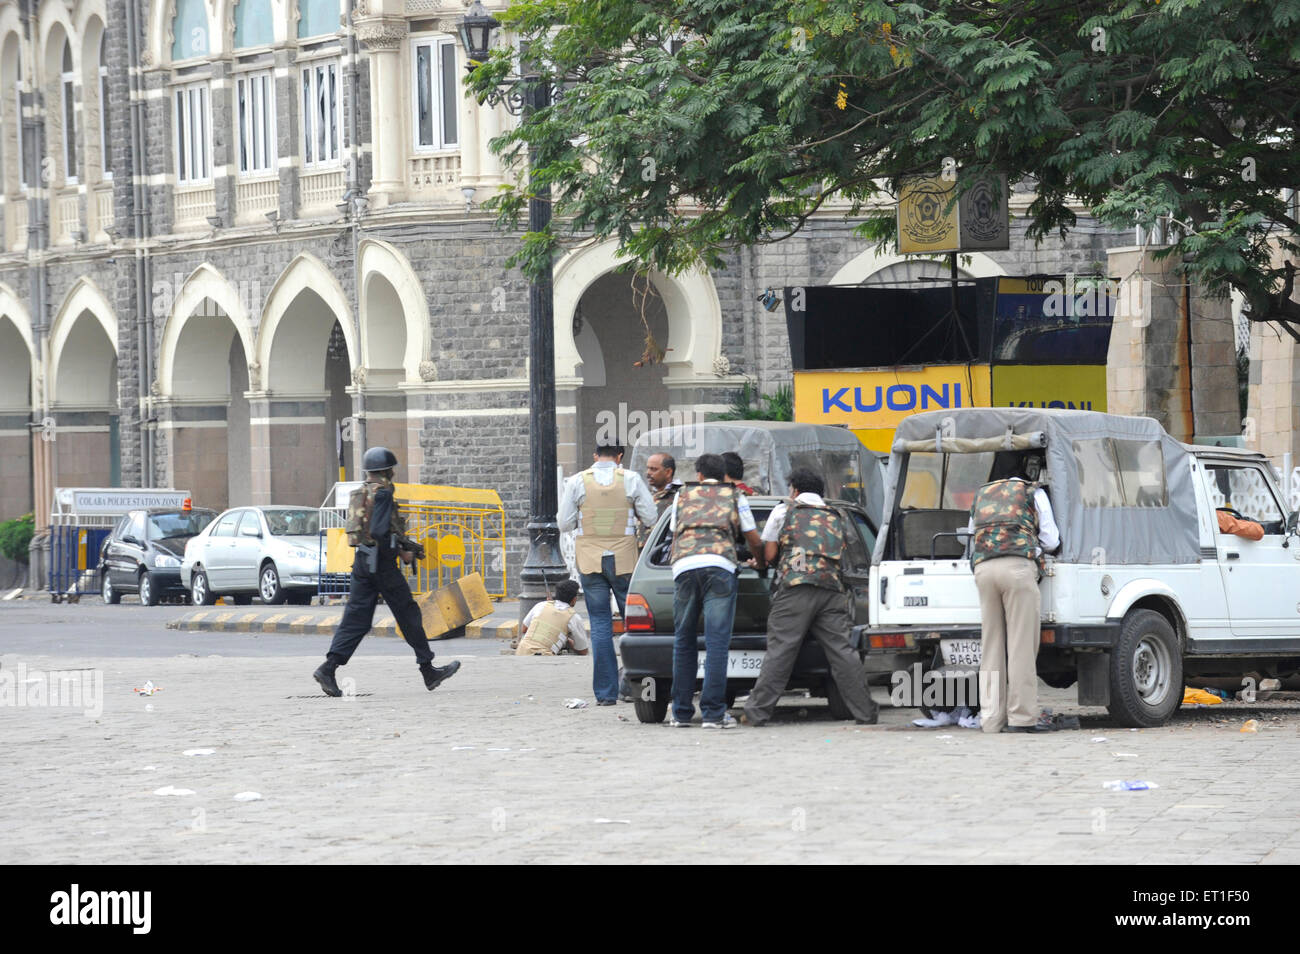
641 504
1049 535
701 560
577 626
776 519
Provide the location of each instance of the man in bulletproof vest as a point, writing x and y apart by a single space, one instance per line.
378 531
553 625
808 597
708 517
604 503
1012 525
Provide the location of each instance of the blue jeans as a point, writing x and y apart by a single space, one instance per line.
596 588
708 593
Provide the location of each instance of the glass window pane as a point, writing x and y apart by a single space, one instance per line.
181 133
306 116
105 121
1142 473
1099 484
268 126
242 88
423 97
1245 490
322 118
334 113
202 124
450 99
69 129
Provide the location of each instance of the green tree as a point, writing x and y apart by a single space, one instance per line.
689 127
15 535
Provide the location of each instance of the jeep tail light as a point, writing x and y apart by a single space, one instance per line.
637 617
889 641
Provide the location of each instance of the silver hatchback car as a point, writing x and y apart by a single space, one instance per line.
270 552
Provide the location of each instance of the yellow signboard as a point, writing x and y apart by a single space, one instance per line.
927 215
1081 386
877 400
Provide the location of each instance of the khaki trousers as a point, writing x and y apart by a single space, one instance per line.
1010 607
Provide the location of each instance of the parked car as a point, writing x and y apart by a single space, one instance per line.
647 643
143 553
1145 590
270 552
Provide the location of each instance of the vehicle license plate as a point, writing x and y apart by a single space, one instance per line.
741 664
960 652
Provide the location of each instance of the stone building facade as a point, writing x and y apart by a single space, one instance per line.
237 233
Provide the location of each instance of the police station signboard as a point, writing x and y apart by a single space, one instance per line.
111 500
929 220
871 402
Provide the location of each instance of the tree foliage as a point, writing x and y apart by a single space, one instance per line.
689 127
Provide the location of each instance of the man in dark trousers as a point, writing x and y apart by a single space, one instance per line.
808 597
378 531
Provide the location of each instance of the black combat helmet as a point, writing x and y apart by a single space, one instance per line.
378 458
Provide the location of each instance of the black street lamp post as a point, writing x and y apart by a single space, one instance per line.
544 566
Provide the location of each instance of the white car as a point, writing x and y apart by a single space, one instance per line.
274 553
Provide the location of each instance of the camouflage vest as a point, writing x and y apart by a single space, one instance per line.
1006 521
812 545
361 505
707 521
549 627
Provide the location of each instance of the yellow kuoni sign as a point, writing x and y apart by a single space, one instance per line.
871 403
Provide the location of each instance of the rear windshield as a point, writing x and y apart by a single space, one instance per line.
293 523
661 547
166 526
944 481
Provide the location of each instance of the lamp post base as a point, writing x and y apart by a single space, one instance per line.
543 568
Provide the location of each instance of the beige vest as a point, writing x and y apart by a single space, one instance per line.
549 627
604 525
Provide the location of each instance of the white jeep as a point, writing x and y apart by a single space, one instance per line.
1144 592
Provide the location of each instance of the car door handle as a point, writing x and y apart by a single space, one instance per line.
1233 555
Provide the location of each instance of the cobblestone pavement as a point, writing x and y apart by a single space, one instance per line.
492 767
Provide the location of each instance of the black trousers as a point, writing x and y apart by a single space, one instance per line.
360 611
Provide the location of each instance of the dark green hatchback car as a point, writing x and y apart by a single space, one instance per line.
647 644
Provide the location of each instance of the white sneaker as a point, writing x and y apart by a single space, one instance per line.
678 725
727 723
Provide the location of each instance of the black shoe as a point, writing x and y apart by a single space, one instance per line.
606 702
435 675
1036 728
325 676
875 718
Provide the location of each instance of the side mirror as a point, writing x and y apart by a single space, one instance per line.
250 532
128 538
1291 520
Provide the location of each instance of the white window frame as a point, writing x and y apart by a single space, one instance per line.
440 46
256 126
314 71
105 157
68 98
191 143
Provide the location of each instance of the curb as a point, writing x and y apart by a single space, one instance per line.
314 624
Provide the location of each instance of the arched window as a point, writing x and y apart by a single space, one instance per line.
189 30
317 17
253 25
69 116
105 120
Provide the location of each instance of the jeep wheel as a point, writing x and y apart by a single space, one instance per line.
200 592
106 590
1146 671
656 707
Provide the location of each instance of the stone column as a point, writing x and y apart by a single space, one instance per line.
382 38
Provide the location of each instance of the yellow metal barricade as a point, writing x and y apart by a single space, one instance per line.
463 530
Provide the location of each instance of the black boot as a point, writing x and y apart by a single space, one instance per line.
325 676
434 675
